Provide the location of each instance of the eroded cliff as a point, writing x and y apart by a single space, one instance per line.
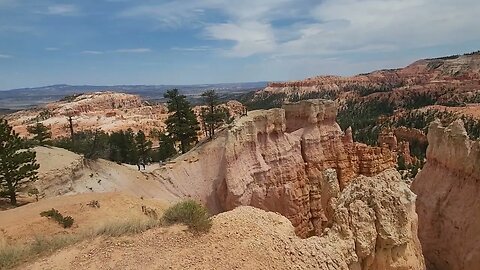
448 204
277 160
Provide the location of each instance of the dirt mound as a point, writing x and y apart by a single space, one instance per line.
24 223
63 172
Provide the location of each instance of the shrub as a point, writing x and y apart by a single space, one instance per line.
190 213
94 204
67 221
10 255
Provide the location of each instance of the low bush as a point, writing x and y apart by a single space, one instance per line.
190 213
66 222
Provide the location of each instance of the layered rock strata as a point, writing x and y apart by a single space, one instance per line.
448 205
278 160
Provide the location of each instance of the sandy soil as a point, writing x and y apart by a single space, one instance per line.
63 172
25 223
246 238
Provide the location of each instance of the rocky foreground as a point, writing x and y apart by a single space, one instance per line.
374 227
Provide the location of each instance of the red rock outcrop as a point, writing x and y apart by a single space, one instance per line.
276 160
446 80
448 205
388 139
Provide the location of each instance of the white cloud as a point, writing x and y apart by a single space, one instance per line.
134 50
5 56
91 52
328 27
249 37
64 10
192 49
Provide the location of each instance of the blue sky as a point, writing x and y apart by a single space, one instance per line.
107 42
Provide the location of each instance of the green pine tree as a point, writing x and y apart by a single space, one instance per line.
213 117
41 133
143 146
166 148
182 122
17 162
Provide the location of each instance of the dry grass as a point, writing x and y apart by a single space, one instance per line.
190 213
12 255
119 228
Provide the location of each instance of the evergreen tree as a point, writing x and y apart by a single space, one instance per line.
143 146
17 162
182 122
212 117
130 151
166 149
123 147
41 133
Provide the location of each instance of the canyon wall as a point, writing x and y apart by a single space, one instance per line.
277 160
343 197
448 204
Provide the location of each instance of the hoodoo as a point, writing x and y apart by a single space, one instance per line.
448 207
277 160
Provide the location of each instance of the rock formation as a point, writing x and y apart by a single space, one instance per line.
388 139
448 205
277 160
108 111
374 228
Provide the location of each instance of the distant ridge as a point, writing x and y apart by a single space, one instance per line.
22 98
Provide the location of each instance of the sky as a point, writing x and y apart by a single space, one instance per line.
108 42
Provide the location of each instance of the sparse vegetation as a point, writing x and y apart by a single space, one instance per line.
70 98
94 204
129 226
54 214
190 213
12 255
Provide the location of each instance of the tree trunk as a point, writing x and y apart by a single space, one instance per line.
13 197
72 133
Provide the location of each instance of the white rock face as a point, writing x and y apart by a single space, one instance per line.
448 188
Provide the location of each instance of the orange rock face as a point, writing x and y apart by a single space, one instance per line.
277 160
448 205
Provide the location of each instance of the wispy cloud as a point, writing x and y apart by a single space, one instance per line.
192 49
305 27
51 49
133 50
91 52
63 10
4 56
